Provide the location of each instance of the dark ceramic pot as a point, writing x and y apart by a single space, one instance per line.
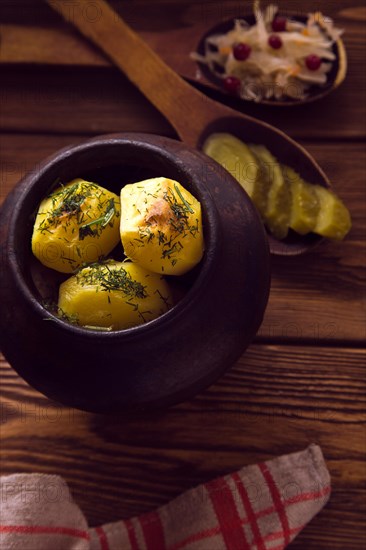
166 360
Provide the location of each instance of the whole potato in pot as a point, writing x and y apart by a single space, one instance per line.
161 226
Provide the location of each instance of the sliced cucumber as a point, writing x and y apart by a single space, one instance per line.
236 158
278 203
333 220
264 181
304 202
282 197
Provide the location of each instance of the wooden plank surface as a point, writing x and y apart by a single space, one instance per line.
40 99
303 380
47 39
288 397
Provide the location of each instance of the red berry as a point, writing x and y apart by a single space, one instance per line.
232 84
313 62
279 24
275 41
242 51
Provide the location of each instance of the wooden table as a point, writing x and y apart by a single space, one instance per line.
303 378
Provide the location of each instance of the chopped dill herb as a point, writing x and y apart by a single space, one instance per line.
161 237
53 308
163 298
107 279
86 231
99 223
175 249
69 201
179 220
184 201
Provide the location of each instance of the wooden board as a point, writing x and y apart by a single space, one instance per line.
47 40
303 380
38 99
258 410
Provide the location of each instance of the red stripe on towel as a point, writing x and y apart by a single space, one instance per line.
261 513
277 501
257 537
131 535
152 529
102 538
307 496
227 514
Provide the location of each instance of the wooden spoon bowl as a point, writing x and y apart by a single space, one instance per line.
191 113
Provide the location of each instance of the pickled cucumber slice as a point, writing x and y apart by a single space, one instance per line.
333 220
278 204
264 181
236 157
282 197
304 202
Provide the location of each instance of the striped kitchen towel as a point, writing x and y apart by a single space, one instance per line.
263 506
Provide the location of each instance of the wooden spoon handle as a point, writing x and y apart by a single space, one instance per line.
187 109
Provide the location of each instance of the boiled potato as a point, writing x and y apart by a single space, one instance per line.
77 224
114 295
161 226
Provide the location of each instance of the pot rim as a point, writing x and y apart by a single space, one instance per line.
147 143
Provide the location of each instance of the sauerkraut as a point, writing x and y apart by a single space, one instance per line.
281 64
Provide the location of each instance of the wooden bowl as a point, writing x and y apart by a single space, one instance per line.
166 360
334 78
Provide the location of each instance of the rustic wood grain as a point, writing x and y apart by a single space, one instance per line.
303 380
40 99
45 100
51 46
274 400
46 39
144 16
161 85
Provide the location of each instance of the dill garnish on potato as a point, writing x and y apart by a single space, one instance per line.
161 226
115 295
77 224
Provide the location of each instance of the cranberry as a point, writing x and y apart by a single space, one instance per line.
313 62
275 41
242 51
279 24
232 84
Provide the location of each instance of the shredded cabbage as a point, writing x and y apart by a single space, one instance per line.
273 73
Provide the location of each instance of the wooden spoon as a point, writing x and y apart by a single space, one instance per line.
193 115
